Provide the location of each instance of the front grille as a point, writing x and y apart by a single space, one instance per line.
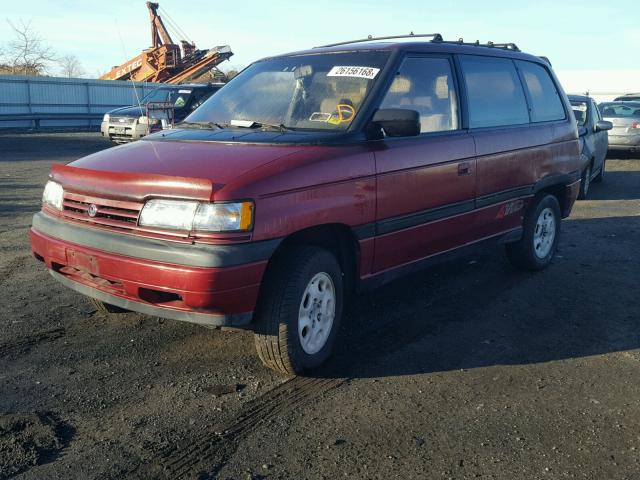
121 120
113 213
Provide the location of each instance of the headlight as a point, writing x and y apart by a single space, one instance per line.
144 120
174 214
105 118
185 215
52 195
224 217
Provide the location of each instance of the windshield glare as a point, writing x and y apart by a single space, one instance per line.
318 92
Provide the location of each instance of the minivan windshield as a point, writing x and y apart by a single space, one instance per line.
313 91
178 97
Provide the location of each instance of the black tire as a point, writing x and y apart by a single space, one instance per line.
585 181
600 177
104 308
522 254
276 331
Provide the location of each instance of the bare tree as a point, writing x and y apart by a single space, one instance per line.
27 53
70 66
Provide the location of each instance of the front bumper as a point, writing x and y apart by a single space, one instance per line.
206 319
123 133
212 285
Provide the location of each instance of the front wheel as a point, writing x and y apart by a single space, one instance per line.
541 232
299 310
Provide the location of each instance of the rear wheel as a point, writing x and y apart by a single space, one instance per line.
299 311
104 308
585 182
541 232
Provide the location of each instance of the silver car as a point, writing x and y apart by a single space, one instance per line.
629 97
625 117
593 139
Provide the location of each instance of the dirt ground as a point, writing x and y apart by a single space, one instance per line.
467 370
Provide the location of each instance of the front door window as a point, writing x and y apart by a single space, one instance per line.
425 85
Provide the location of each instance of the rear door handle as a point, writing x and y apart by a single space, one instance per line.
464 168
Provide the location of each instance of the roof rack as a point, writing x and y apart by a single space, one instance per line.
504 46
435 37
546 59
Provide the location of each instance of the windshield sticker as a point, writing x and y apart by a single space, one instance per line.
319 117
359 72
243 123
579 108
184 91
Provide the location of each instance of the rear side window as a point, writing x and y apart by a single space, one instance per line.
494 92
425 85
620 110
543 95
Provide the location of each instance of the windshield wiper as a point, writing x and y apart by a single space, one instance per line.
281 127
210 125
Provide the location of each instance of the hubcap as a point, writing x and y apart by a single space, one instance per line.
316 313
545 233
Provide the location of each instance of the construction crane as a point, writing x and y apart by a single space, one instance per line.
166 61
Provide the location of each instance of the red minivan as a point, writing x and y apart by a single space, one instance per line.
315 174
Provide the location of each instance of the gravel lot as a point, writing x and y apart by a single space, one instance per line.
467 370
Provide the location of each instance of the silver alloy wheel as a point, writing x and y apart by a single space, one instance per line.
544 233
316 313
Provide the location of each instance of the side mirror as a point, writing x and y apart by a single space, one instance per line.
582 131
603 126
397 122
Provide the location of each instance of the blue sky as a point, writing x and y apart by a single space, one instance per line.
574 34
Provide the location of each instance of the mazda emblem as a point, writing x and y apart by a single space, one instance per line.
92 210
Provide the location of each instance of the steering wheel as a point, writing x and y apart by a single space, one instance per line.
344 113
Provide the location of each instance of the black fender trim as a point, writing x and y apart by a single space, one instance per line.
563 179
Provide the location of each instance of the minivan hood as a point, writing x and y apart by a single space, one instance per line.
131 111
152 164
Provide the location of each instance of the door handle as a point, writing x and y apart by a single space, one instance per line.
464 169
